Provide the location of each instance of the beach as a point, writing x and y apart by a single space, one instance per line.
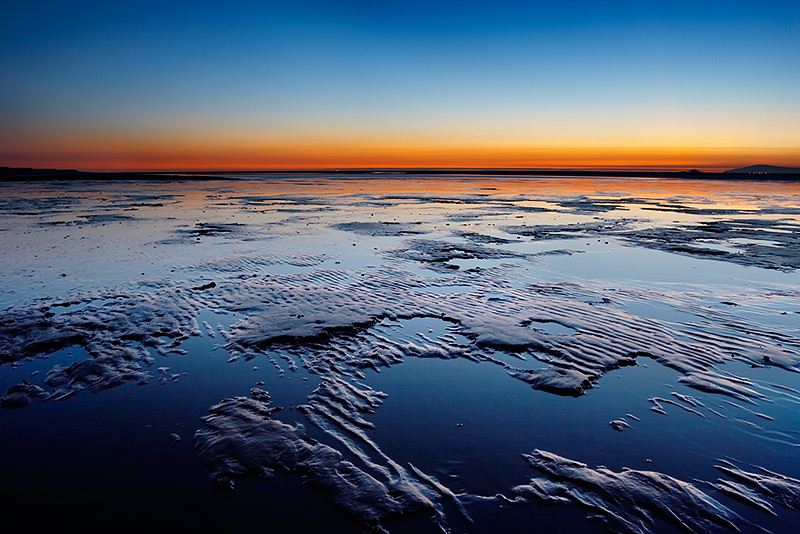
402 353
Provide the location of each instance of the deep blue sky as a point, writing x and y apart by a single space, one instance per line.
128 79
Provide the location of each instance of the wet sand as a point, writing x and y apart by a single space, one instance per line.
427 353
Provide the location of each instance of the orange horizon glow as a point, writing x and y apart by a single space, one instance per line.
394 156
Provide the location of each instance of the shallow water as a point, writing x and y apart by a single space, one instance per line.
451 347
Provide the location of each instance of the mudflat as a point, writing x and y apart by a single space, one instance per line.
451 353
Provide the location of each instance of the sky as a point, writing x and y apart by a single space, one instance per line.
344 84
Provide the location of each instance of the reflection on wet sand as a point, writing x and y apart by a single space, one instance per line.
308 327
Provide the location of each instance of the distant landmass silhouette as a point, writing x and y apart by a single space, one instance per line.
766 169
752 173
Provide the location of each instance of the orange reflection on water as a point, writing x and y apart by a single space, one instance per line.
720 194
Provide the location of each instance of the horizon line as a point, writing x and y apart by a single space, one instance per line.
562 171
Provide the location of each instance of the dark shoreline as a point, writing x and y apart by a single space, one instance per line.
41 175
28 174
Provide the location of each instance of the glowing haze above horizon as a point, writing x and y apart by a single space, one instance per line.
313 84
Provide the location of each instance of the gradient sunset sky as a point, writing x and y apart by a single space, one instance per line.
308 84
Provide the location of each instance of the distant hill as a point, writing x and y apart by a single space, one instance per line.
766 169
764 173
